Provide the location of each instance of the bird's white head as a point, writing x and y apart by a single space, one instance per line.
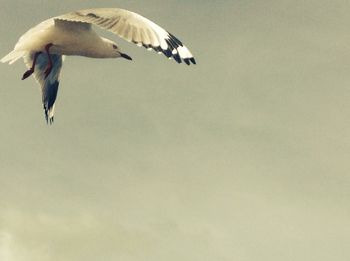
111 50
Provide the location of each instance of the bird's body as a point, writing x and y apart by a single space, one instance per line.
43 46
74 39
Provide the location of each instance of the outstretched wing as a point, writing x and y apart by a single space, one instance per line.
49 86
133 28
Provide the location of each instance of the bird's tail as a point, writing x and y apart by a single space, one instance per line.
12 57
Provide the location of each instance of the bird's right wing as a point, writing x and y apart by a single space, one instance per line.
49 85
133 28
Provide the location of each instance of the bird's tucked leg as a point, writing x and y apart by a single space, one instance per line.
49 63
31 70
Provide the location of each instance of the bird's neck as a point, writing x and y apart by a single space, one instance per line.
96 48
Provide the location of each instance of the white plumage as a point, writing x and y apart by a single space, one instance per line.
43 46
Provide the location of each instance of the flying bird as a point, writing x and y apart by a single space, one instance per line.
44 46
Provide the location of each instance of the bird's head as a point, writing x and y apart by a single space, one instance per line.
113 50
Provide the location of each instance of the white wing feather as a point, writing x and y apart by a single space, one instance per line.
133 28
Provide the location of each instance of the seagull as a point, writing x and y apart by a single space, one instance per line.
44 46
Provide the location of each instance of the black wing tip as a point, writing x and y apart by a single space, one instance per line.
174 39
167 53
177 58
173 44
49 99
49 120
188 61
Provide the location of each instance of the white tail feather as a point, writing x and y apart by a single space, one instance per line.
12 56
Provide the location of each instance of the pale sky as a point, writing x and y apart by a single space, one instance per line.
243 157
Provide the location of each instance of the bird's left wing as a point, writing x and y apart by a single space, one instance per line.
49 85
133 28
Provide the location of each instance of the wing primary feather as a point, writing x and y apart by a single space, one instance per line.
167 53
172 49
175 39
177 58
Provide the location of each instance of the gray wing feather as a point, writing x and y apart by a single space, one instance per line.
49 86
133 28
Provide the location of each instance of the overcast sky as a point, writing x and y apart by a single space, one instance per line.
242 157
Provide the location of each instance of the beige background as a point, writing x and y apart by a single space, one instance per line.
242 157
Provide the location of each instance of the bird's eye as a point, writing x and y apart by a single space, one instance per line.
114 46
